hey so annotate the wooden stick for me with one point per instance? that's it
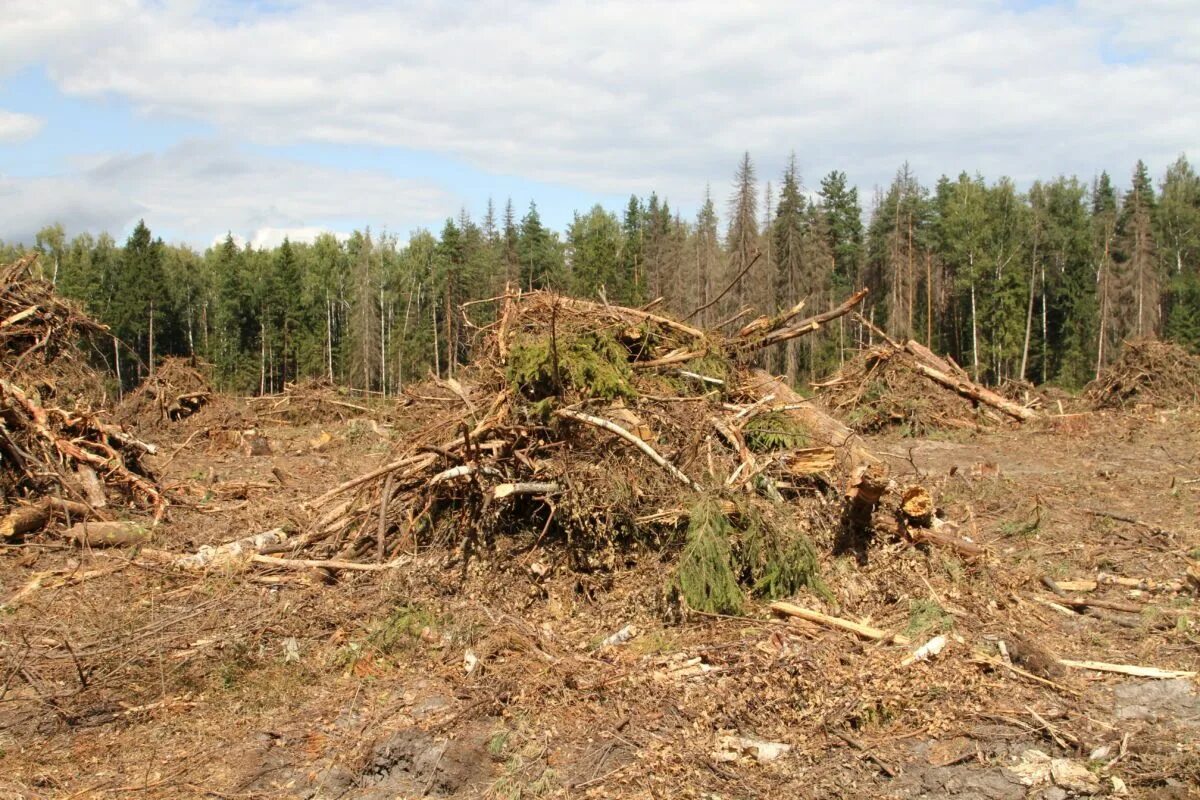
(866, 631)
(983, 658)
(618, 431)
(309, 563)
(530, 487)
(1131, 520)
(1127, 669)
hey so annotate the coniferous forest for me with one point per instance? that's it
(1041, 285)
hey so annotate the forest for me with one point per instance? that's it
(1041, 285)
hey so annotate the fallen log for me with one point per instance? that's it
(975, 392)
(31, 518)
(850, 446)
(107, 534)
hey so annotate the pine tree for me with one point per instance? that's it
(1177, 230)
(707, 259)
(541, 265)
(632, 256)
(844, 216)
(1140, 286)
(139, 304)
(593, 250)
(788, 238)
(742, 239)
(1104, 226)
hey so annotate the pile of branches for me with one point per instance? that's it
(177, 390)
(41, 335)
(313, 400)
(1148, 371)
(57, 456)
(598, 426)
(909, 387)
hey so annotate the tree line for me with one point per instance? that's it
(1041, 285)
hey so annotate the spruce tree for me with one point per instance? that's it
(743, 237)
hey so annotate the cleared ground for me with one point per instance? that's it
(488, 680)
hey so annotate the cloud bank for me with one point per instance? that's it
(631, 95)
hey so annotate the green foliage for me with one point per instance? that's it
(774, 430)
(593, 364)
(926, 616)
(705, 574)
(778, 563)
(400, 629)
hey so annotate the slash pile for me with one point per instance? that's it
(176, 391)
(57, 457)
(600, 426)
(1148, 371)
(910, 387)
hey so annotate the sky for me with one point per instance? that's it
(273, 118)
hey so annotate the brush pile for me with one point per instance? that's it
(911, 388)
(313, 400)
(57, 457)
(1148, 371)
(600, 427)
(177, 390)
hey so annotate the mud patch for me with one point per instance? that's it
(411, 762)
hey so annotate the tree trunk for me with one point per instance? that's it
(262, 356)
(974, 332)
(1029, 310)
(150, 347)
(1103, 307)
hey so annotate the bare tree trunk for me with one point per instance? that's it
(117, 359)
(382, 339)
(1029, 310)
(262, 355)
(150, 347)
(974, 333)
(1045, 330)
(329, 334)
(1103, 307)
(403, 339)
(929, 300)
(437, 364)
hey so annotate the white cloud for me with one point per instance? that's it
(16, 127)
(199, 187)
(629, 95)
(270, 237)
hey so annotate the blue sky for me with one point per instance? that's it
(286, 118)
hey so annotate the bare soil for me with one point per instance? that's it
(486, 679)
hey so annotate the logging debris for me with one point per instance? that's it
(1149, 372)
(179, 388)
(910, 387)
(600, 427)
(54, 442)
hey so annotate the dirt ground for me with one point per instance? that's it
(489, 679)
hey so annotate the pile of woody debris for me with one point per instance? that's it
(906, 385)
(1148, 371)
(58, 458)
(598, 427)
